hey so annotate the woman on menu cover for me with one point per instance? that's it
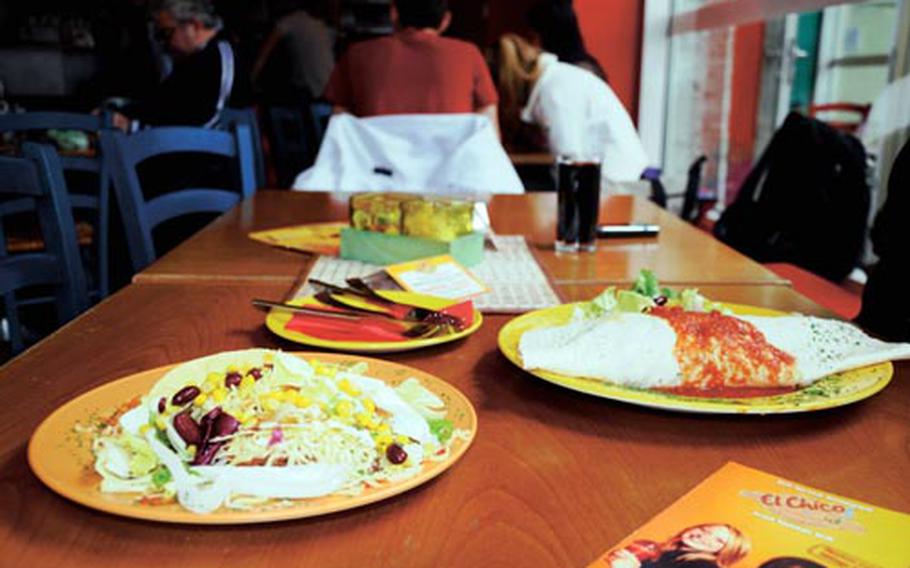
(699, 546)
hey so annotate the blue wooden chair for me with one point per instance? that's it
(296, 133)
(98, 200)
(141, 215)
(230, 118)
(34, 182)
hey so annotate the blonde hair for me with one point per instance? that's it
(737, 547)
(518, 71)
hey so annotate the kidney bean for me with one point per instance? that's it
(185, 395)
(205, 455)
(256, 373)
(224, 425)
(232, 379)
(162, 404)
(660, 300)
(187, 428)
(396, 454)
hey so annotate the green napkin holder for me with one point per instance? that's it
(384, 249)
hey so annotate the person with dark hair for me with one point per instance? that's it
(556, 25)
(415, 70)
(202, 79)
(307, 44)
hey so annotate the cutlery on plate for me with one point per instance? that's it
(410, 328)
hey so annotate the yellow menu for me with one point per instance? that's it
(744, 518)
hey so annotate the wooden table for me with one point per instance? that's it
(553, 479)
(222, 252)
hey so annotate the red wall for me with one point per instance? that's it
(611, 29)
(746, 82)
(612, 32)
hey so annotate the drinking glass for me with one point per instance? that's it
(578, 204)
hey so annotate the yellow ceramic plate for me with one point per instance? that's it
(61, 457)
(832, 391)
(276, 321)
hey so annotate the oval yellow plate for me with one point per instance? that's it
(59, 452)
(276, 320)
(832, 391)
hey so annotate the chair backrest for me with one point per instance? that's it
(141, 215)
(230, 118)
(35, 182)
(98, 200)
(295, 134)
(321, 113)
(860, 112)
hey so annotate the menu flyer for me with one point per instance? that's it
(440, 276)
(744, 518)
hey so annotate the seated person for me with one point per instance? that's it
(578, 112)
(883, 313)
(304, 43)
(202, 78)
(415, 70)
(556, 25)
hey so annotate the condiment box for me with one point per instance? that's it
(387, 228)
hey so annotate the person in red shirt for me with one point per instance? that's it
(415, 70)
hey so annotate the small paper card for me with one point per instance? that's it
(439, 276)
(745, 518)
(319, 238)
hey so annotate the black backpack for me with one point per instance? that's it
(805, 202)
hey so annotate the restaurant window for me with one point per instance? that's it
(720, 76)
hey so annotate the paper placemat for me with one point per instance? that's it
(517, 282)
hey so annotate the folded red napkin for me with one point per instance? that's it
(372, 329)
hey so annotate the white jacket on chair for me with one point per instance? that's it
(447, 154)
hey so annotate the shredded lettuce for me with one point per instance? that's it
(442, 429)
(645, 294)
(646, 284)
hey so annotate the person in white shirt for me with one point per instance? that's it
(577, 111)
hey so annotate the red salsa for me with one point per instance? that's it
(719, 353)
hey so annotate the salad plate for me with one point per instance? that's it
(277, 321)
(88, 450)
(831, 391)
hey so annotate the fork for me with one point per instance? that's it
(415, 330)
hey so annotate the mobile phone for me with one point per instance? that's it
(632, 230)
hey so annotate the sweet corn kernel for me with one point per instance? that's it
(144, 428)
(268, 358)
(344, 409)
(243, 417)
(191, 449)
(161, 423)
(402, 439)
(233, 369)
(384, 428)
(219, 394)
(383, 441)
(369, 406)
(270, 404)
(200, 399)
(346, 387)
(214, 379)
(365, 420)
(302, 401)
